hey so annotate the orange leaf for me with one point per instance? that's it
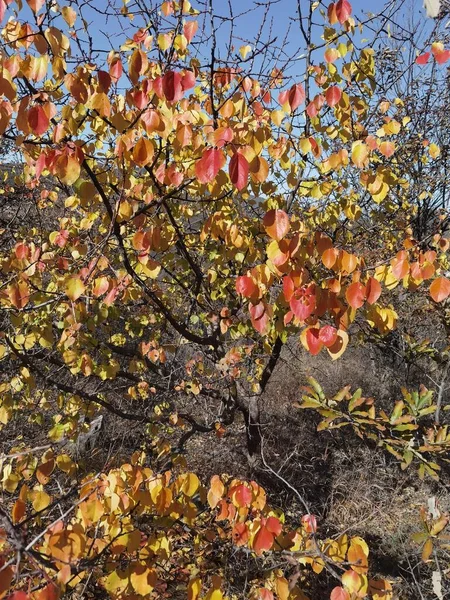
(440, 289)
(373, 290)
(35, 5)
(19, 294)
(240, 534)
(356, 294)
(190, 29)
(276, 223)
(241, 495)
(143, 152)
(339, 593)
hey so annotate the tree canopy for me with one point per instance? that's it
(177, 210)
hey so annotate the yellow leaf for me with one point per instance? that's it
(434, 150)
(41, 500)
(143, 580)
(427, 549)
(67, 169)
(74, 288)
(360, 154)
(355, 583)
(244, 50)
(189, 484)
(339, 347)
(69, 15)
(65, 463)
(194, 587)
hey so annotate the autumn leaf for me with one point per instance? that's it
(69, 15)
(423, 58)
(355, 294)
(296, 96)
(263, 540)
(19, 294)
(338, 593)
(343, 10)
(276, 223)
(373, 290)
(440, 289)
(207, 168)
(143, 152)
(38, 120)
(74, 288)
(190, 29)
(333, 95)
(172, 86)
(239, 169)
(35, 5)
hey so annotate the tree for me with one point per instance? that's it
(194, 211)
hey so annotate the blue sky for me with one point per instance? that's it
(280, 17)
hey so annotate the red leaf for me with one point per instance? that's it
(38, 119)
(265, 594)
(339, 594)
(240, 534)
(296, 96)
(242, 495)
(309, 523)
(440, 54)
(276, 223)
(2, 9)
(440, 289)
(190, 29)
(274, 526)
(288, 288)
(263, 540)
(442, 57)
(172, 86)
(50, 592)
(343, 10)
(187, 80)
(22, 251)
(373, 290)
(356, 294)
(423, 58)
(18, 595)
(245, 286)
(303, 303)
(209, 165)
(115, 69)
(333, 95)
(313, 341)
(260, 317)
(239, 168)
(328, 335)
